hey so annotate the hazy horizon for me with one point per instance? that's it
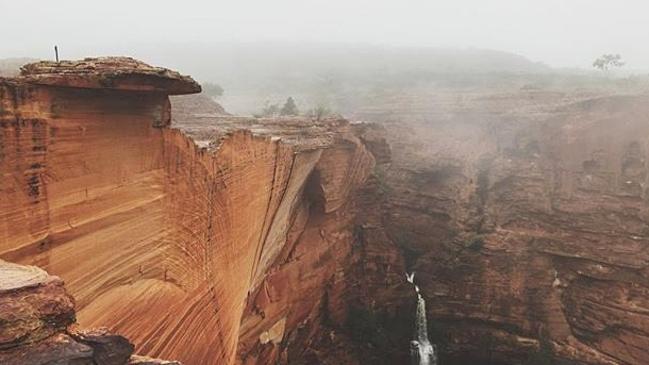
(556, 33)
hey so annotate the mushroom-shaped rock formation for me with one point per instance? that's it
(119, 73)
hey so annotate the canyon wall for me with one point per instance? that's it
(209, 255)
(217, 239)
(525, 216)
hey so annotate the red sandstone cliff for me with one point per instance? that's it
(235, 240)
(525, 216)
(195, 254)
(37, 317)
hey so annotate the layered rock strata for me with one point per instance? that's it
(37, 317)
(525, 216)
(210, 254)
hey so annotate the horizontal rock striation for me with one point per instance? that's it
(525, 216)
(33, 305)
(211, 255)
(37, 317)
(115, 73)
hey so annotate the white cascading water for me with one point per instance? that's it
(422, 351)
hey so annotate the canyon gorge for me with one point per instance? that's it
(131, 205)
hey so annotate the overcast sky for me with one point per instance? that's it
(557, 32)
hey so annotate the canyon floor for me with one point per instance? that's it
(208, 238)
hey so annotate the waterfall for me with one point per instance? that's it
(422, 351)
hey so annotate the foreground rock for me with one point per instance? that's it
(33, 305)
(36, 315)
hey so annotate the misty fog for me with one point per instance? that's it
(558, 33)
(261, 52)
(271, 201)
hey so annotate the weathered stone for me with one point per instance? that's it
(118, 73)
(108, 348)
(35, 317)
(33, 305)
(59, 349)
(524, 215)
(161, 240)
(144, 360)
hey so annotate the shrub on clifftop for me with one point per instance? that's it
(289, 107)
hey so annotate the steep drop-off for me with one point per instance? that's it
(37, 317)
(525, 215)
(194, 254)
(216, 239)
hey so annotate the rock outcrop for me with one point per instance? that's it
(215, 253)
(108, 73)
(525, 216)
(37, 317)
(217, 239)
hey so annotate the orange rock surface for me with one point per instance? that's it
(37, 317)
(184, 250)
(525, 215)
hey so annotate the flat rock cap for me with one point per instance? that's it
(119, 73)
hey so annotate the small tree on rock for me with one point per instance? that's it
(608, 61)
(319, 112)
(269, 110)
(289, 107)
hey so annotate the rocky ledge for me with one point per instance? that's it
(238, 252)
(37, 320)
(121, 73)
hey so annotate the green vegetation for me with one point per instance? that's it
(289, 108)
(272, 109)
(319, 112)
(269, 110)
(608, 61)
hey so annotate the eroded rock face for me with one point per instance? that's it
(525, 216)
(236, 240)
(33, 305)
(207, 255)
(115, 73)
(36, 317)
